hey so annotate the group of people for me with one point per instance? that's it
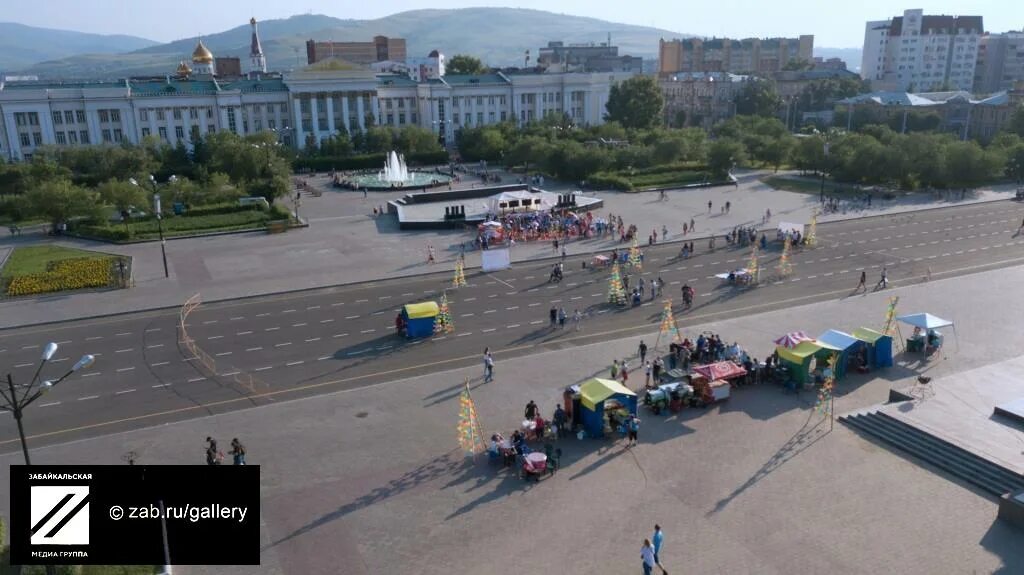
(215, 457)
(535, 428)
(557, 317)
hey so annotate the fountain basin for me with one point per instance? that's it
(373, 181)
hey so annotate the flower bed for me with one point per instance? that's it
(70, 274)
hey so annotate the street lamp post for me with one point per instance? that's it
(16, 404)
(160, 228)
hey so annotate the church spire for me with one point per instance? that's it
(257, 61)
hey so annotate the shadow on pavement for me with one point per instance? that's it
(1004, 541)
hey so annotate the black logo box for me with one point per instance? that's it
(140, 541)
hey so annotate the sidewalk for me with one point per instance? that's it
(343, 237)
(370, 481)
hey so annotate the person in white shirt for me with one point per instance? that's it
(647, 556)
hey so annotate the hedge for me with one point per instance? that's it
(72, 274)
(366, 161)
(181, 225)
(610, 181)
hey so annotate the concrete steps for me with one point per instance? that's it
(986, 475)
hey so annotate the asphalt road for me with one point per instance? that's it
(279, 347)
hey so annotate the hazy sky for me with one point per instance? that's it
(840, 25)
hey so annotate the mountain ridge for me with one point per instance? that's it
(22, 45)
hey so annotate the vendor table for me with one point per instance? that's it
(536, 458)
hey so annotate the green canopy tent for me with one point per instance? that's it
(805, 358)
(879, 346)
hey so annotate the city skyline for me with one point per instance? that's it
(842, 29)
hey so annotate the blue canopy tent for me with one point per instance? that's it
(419, 318)
(849, 349)
(879, 346)
(593, 396)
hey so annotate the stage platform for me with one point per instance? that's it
(959, 412)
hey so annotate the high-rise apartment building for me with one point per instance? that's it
(748, 56)
(380, 49)
(603, 57)
(1000, 62)
(915, 52)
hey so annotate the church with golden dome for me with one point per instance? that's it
(202, 60)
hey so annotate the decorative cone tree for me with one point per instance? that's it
(460, 273)
(785, 266)
(470, 432)
(812, 230)
(616, 293)
(443, 323)
(668, 325)
(635, 257)
(753, 266)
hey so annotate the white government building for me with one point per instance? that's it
(298, 106)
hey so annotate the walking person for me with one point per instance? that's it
(664, 233)
(559, 419)
(883, 281)
(863, 282)
(709, 206)
(632, 430)
(647, 557)
(553, 315)
(237, 452)
(624, 372)
(577, 317)
(728, 206)
(213, 455)
(430, 254)
(614, 372)
(641, 350)
(561, 317)
(657, 539)
(647, 374)
(692, 226)
(488, 366)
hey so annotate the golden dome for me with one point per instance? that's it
(202, 55)
(183, 69)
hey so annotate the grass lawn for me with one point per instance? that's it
(39, 269)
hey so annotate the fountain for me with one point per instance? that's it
(397, 175)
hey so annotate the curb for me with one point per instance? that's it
(409, 275)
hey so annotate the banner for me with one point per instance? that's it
(496, 259)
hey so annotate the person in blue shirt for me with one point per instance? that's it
(656, 540)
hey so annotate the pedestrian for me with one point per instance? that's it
(554, 245)
(615, 369)
(553, 315)
(563, 253)
(430, 254)
(863, 282)
(364, 193)
(561, 317)
(692, 228)
(642, 351)
(656, 368)
(237, 452)
(768, 215)
(531, 411)
(686, 228)
(882, 281)
(488, 367)
(640, 286)
(632, 429)
(559, 418)
(624, 372)
(664, 233)
(647, 557)
(661, 285)
(577, 317)
(728, 206)
(709, 206)
(657, 539)
(647, 374)
(213, 455)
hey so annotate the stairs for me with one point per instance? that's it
(986, 475)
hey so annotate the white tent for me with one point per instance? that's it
(928, 321)
(790, 227)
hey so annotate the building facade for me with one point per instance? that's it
(300, 108)
(915, 52)
(700, 99)
(559, 57)
(748, 56)
(1000, 62)
(380, 49)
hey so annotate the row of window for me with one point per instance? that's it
(68, 117)
(467, 101)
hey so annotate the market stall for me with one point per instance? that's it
(805, 361)
(417, 319)
(711, 381)
(604, 404)
(925, 337)
(852, 352)
(668, 396)
(879, 347)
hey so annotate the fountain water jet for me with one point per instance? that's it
(395, 170)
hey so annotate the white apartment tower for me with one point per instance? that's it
(257, 61)
(921, 53)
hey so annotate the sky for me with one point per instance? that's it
(840, 25)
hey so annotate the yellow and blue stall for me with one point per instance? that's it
(419, 319)
(600, 398)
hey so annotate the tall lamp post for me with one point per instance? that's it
(16, 402)
(157, 209)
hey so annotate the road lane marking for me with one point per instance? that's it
(123, 350)
(154, 346)
(326, 320)
(282, 344)
(271, 329)
(264, 368)
(229, 373)
(368, 330)
(30, 347)
(351, 317)
(536, 322)
(124, 391)
(490, 311)
(207, 322)
(223, 353)
(125, 369)
(51, 404)
(513, 326)
(488, 330)
(469, 299)
(312, 339)
(24, 365)
(159, 364)
(291, 363)
(312, 307)
(289, 311)
(93, 374)
(243, 333)
(152, 329)
(464, 334)
(94, 338)
(336, 304)
(357, 352)
(301, 324)
(195, 379)
(88, 397)
(160, 385)
(534, 304)
(511, 308)
(236, 318)
(262, 314)
(254, 349)
(323, 357)
(339, 335)
(216, 337)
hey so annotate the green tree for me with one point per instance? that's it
(723, 155)
(635, 103)
(464, 64)
(337, 145)
(968, 164)
(778, 152)
(809, 154)
(1015, 163)
(124, 195)
(758, 98)
(1017, 121)
(60, 200)
(378, 139)
(415, 140)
